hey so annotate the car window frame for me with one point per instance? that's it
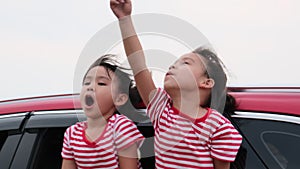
(240, 118)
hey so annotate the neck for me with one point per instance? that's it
(95, 128)
(188, 102)
(94, 123)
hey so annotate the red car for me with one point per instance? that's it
(31, 129)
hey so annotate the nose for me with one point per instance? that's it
(91, 87)
(172, 67)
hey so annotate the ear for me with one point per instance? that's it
(121, 99)
(207, 83)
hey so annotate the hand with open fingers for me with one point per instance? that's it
(121, 8)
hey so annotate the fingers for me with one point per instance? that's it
(117, 2)
(114, 2)
(124, 1)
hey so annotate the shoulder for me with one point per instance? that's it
(160, 93)
(215, 121)
(79, 126)
(121, 124)
(218, 117)
(118, 119)
(159, 97)
(223, 127)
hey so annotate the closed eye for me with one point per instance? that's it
(186, 62)
(102, 84)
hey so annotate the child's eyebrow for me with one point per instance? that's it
(98, 77)
(187, 58)
(103, 77)
(87, 78)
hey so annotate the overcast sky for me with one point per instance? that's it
(42, 41)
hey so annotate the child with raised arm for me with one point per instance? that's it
(189, 131)
(106, 139)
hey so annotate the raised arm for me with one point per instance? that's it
(133, 48)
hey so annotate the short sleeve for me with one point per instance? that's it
(126, 133)
(67, 152)
(225, 142)
(157, 105)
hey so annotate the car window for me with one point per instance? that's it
(274, 142)
(8, 145)
(281, 146)
(9, 148)
(247, 158)
(48, 148)
(42, 141)
(10, 136)
(22, 155)
(3, 137)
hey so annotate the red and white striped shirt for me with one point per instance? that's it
(184, 142)
(119, 133)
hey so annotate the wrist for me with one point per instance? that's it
(137, 62)
(124, 19)
(126, 26)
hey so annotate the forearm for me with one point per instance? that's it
(132, 45)
(136, 58)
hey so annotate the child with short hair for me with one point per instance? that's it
(189, 131)
(106, 139)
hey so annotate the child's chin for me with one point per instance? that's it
(88, 107)
(170, 84)
(167, 83)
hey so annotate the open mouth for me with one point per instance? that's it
(169, 73)
(89, 100)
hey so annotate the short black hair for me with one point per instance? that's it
(126, 84)
(215, 69)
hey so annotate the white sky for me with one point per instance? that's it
(41, 41)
